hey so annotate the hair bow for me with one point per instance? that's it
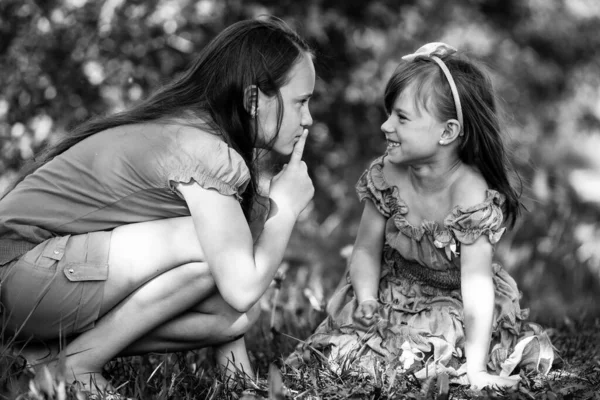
(431, 49)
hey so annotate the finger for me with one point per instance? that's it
(299, 148)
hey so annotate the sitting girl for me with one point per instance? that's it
(423, 292)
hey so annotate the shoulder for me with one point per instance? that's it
(470, 189)
(170, 143)
(184, 136)
(477, 210)
(192, 153)
(202, 146)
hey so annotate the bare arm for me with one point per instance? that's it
(242, 270)
(478, 294)
(365, 264)
(478, 299)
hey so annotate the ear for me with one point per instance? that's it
(251, 99)
(452, 130)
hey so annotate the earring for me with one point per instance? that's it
(254, 111)
(442, 142)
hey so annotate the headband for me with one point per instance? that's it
(434, 51)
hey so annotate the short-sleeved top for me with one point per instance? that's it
(119, 176)
(431, 244)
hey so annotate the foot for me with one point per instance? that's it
(37, 353)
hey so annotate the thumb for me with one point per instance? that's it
(299, 148)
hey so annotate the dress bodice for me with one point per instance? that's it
(429, 243)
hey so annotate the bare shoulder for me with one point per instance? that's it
(469, 189)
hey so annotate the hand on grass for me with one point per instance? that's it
(366, 314)
(481, 379)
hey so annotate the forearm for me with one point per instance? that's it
(270, 247)
(364, 275)
(243, 270)
(478, 301)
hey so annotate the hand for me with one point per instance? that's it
(292, 188)
(366, 314)
(481, 379)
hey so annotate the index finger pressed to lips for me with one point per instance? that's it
(299, 147)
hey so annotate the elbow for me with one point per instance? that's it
(242, 307)
(241, 301)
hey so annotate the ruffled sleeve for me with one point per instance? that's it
(206, 159)
(372, 186)
(486, 218)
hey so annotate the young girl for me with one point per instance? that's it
(131, 235)
(424, 293)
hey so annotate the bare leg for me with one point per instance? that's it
(233, 358)
(212, 323)
(151, 305)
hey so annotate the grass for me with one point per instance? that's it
(192, 375)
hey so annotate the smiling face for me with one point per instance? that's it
(412, 133)
(296, 115)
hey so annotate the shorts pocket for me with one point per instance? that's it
(48, 253)
(89, 271)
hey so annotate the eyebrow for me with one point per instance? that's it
(305, 95)
(400, 110)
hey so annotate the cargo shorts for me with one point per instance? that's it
(56, 289)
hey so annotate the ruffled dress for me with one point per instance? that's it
(421, 329)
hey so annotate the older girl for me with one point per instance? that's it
(132, 233)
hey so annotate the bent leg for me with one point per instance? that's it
(156, 272)
(211, 323)
(141, 252)
(157, 301)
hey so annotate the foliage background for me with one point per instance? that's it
(63, 61)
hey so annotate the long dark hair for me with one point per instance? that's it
(210, 93)
(482, 145)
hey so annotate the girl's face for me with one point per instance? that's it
(412, 133)
(296, 115)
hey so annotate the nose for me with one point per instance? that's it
(306, 119)
(386, 127)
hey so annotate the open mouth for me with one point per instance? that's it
(391, 143)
